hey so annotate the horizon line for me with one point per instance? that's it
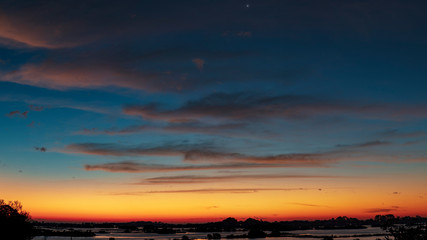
(204, 220)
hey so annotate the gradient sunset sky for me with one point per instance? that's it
(187, 111)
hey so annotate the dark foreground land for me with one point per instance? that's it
(15, 223)
(232, 225)
(399, 228)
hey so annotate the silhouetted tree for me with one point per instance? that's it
(230, 223)
(408, 233)
(385, 221)
(15, 223)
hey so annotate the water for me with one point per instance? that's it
(119, 235)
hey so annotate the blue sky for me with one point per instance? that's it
(103, 89)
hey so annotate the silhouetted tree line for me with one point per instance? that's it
(408, 232)
(232, 224)
(15, 223)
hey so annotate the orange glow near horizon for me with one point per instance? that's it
(196, 111)
(80, 203)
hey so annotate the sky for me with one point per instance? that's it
(194, 111)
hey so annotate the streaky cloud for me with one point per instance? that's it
(113, 149)
(190, 179)
(124, 67)
(227, 129)
(134, 167)
(251, 105)
(396, 133)
(292, 159)
(365, 144)
(17, 113)
(309, 205)
(43, 103)
(213, 190)
(382, 210)
(50, 24)
(196, 154)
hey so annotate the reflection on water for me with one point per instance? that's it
(345, 234)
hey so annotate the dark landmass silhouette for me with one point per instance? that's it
(254, 228)
(231, 224)
(15, 223)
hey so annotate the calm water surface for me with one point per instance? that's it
(119, 235)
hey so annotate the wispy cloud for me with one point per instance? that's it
(213, 190)
(113, 149)
(196, 154)
(211, 155)
(123, 67)
(190, 179)
(17, 113)
(244, 34)
(250, 105)
(78, 74)
(31, 26)
(200, 63)
(365, 144)
(382, 210)
(241, 105)
(292, 159)
(43, 103)
(134, 167)
(309, 205)
(211, 207)
(33, 124)
(36, 108)
(396, 133)
(41, 149)
(228, 129)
